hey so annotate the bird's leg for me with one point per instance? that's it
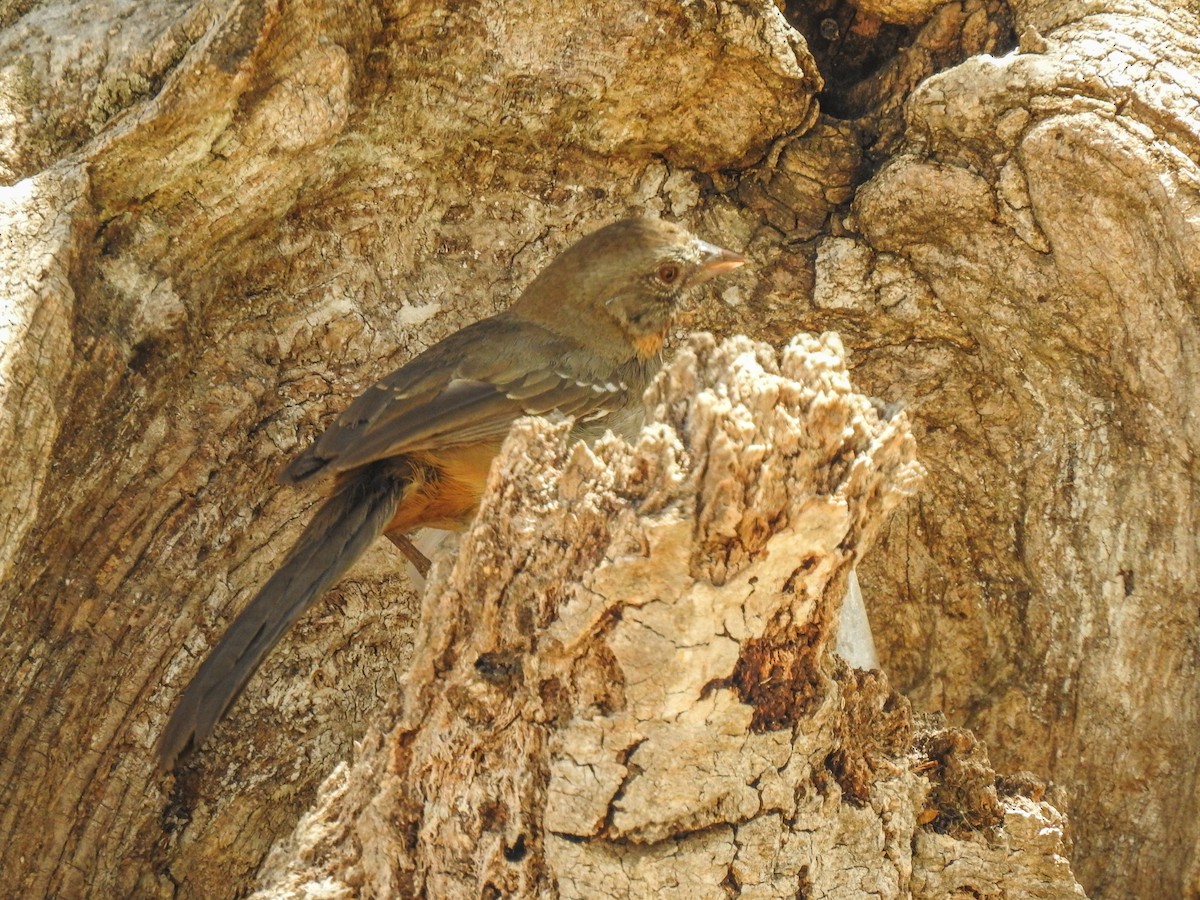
(419, 560)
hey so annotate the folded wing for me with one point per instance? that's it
(449, 396)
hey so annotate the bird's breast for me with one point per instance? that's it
(625, 414)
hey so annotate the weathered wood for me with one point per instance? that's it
(624, 682)
(222, 219)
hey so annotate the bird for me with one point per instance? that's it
(413, 451)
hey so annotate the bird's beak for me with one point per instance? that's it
(715, 261)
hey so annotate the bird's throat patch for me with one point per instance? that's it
(649, 345)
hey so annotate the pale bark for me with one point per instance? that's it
(624, 683)
(222, 219)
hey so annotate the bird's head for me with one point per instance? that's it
(628, 278)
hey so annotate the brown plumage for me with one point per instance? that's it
(414, 450)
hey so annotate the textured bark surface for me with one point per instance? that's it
(221, 219)
(672, 722)
(1044, 206)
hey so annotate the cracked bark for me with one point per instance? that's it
(624, 683)
(221, 219)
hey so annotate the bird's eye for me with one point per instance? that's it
(668, 273)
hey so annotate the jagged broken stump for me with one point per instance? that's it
(624, 683)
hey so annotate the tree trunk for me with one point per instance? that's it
(223, 219)
(624, 684)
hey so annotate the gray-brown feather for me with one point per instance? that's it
(445, 397)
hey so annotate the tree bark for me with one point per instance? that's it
(223, 219)
(625, 687)
(1042, 209)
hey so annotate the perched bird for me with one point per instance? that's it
(414, 450)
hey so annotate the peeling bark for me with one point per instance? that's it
(624, 682)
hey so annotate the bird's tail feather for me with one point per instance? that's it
(338, 534)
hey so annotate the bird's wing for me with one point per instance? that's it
(458, 392)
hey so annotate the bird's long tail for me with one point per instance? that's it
(338, 534)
